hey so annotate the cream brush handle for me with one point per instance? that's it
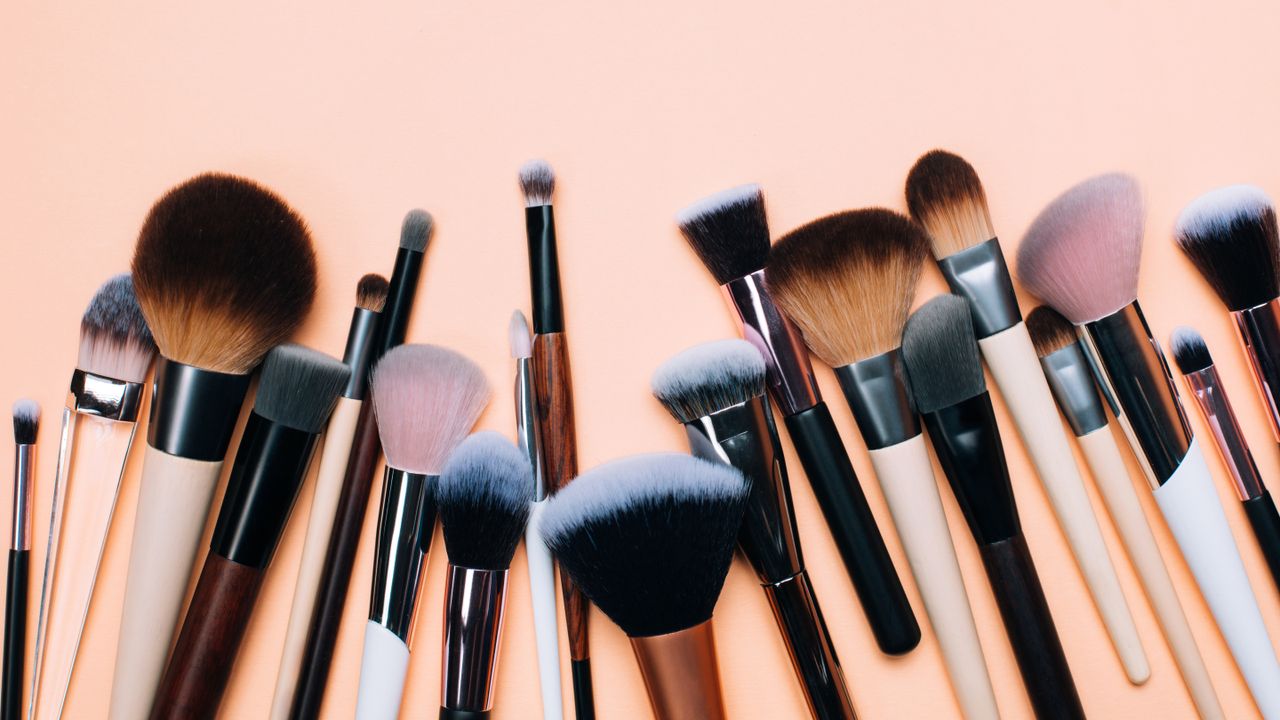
(542, 595)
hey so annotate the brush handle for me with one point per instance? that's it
(384, 664)
(1265, 522)
(854, 529)
(15, 632)
(452, 714)
(813, 655)
(542, 596)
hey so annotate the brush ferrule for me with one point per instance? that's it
(1207, 389)
(967, 441)
(398, 559)
(527, 424)
(105, 397)
(359, 352)
(1259, 331)
(980, 275)
(790, 374)
(23, 468)
(877, 393)
(681, 674)
(473, 608)
(744, 437)
(544, 269)
(394, 319)
(194, 411)
(1070, 377)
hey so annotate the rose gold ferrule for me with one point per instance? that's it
(473, 606)
(1259, 332)
(790, 377)
(1206, 386)
(680, 674)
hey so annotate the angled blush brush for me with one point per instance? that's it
(26, 428)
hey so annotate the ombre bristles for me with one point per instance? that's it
(371, 292)
(537, 183)
(729, 231)
(708, 378)
(945, 195)
(1190, 351)
(483, 498)
(1050, 332)
(1230, 235)
(299, 387)
(518, 337)
(26, 421)
(416, 230)
(114, 339)
(941, 354)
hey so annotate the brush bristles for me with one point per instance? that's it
(1050, 332)
(371, 292)
(115, 341)
(941, 354)
(848, 281)
(224, 271)
(426, 398)
(1230, 235)
(537, 183)
(729, 231)
(26, 421)
(518, 338)
(945, 195)
(299, 387)
(483, 497)
(649, 538)
(1081, 254)
(708, 378)
(416, 230)
(1190, 351)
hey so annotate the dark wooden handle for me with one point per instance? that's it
(15, 633)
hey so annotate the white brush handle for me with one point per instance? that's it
(383, 668)
(1190, 505)
(173, 505)
(907, 479)
(1112, 478)
(1013, 362)
(542, 595)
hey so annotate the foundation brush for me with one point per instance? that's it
(946, 197)
(26, 428)
(1082, 255)
(649, 539)
(949, 390)
(98, 427)
(848, 280)
(716, 390)
(224, 270)
(729, 232)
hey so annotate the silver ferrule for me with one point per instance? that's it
(1071, 379)
(105, 397)
(876, 389)
(1206, 386)
(398, 560)
(24, 463)
(1259, 331)
(790, 374)
(527, 425)
(980, 275)
(473, 607)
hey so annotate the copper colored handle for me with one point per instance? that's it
(681, 674)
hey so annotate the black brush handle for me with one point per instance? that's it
(451, 714)
(584, 701)
(15, 632)
(854, 529)
(1266, 529)
(1026, 617)
(813, 655)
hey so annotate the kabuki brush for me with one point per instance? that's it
(949, 390)
(224, 270)
(649, 539)
(484, 497)
(730, 234)
(1081, 255)
(26, 427)
(716, 390)
(947, 198)
(1068, 369)
(295, 396)
(426, 398)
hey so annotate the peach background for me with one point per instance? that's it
(358, 114)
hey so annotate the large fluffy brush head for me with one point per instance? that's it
(426, 398)
(941, 354)
(224, 271)
(848, 280)
(649, 538)
(26, 421)
(371, 292)
(1050, 332)
(1190, 351)
(1081, 254)
(299, 387)
(708, 378)
(1230, 235)
(115, 341)
(945, 195)
(483, 497)
(518, 337)
(729, 231)
(537, 183)
(416, 230)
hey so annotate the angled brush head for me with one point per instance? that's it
(26, 421)
(115, 341)
(518, 337)
(299, 387)
(941, 354)
(848, 280)
(537, 183)
(1190, 351)
(426, 398)
(416, 230)
(649, 538)
(729, 231)
(483, 496)
(945, 195)
(1230, 235)
(708, 378)
(1050, 332)
(1081, 254)
(371, 292)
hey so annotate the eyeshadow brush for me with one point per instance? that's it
(26, 428)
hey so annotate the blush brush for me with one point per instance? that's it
(26, 429)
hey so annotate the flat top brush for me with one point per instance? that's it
(26, 428)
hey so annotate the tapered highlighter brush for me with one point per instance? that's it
(426, 399)
(949, 390)
(729, 232)
(1081, 255)
(717, 391)
(1068, 369)
(649, 539)
(945, 195)
(26, 428)
(98, 427)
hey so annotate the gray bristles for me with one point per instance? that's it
(416, 230)
(708, 378)
(115, 341)
(26, 421)
(484, 497)
(941, 354)
(537, 182)
(518, 336)
(299, 387)
(1190, 351)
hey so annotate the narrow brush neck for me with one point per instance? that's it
(474, 603)
(398, 557)
(1259, 332)
(877, 394)
(1206, 388)
(790, 374)
(980, 275)
(105, 397)
(1071, 379)
(23, 467)
(544, 270)
(194, 411)
(358, 355)
(527, 424)
(967, 441)
(401, 289)
(681, 673)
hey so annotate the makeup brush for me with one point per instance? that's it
(949, 390)
(1192, 357)
(224, 270)
(649, 539)
(357, 481)
(716, 390)
(295, 397)
(1082, 255)
(371, 295)
(484, 497)
(26, 426)
(1067, 367)
(426, 398)
(947, 198)
(848, 280)
(730, 234)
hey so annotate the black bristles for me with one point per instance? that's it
(729, 231)
(1190, 351)
(483, 497)
(26, 421)
(941, 354)
(1230, 235)
(299, 387)
(416, 230)
(537, 183)
(708, 378)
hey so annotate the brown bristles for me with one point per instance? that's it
(848, 281)
(224, 270)
(945, 195)
(1050, 332)
(371, 292)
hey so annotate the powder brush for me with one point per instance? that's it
(26, 429)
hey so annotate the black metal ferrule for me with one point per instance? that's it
(194, 411)
(980, 275)
(876, 389)
(544, 270)
(401, 291)
(967, 442)
(359, 352)
(455, 714)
